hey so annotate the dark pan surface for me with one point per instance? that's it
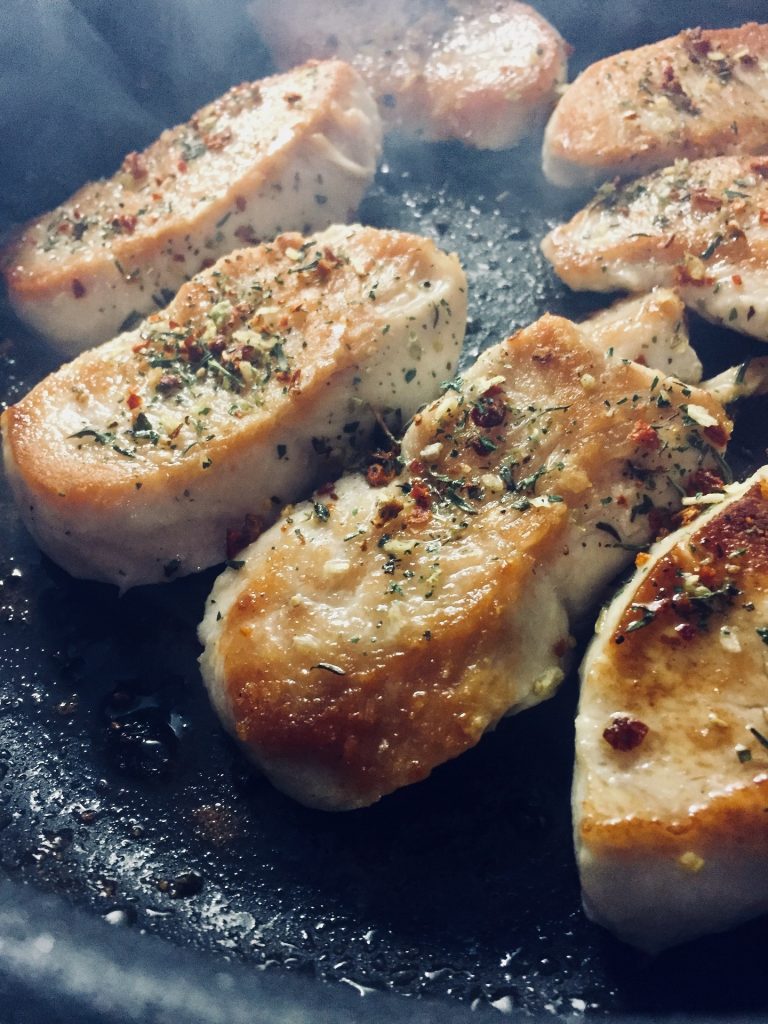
(121, 794)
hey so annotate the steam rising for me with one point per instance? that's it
(82, 82)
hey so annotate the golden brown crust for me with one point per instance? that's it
(697, 94)
(737, 821)
(684, 656)
(384, 721)
(117, 383)
(375, 635)
(156, 197)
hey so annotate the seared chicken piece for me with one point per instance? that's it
(376, 632)
(702, 227)
(743, 381)
(481, 71)
(292, 152)
(701, 93)
(164, 451)
(671, 782)
(650, 329)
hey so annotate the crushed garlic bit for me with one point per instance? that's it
(493, 483)
(548, 682)
(431, 451)
(691, 861)
(337, 567)
(701, 416)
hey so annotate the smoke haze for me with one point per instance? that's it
(82, 82)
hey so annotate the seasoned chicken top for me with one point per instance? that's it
(131, 463)
(482, 71)
(700, 226)
(704, 92)
(376, 632)
(649, 329)
(291, 152)
(672, 756)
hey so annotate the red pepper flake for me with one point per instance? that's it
(659, 522)
(133, 400)
(247, 235)
(240, 537)
(125, 223)
(705, 202)
(218, 140)
(625, 733)
(191, 350)
(696, 44)
(716, 435)
(685, 630)
(691, 273)
(759, 166)
(328, 262)
(379, 475)
(672, 87)
(135, 165)
(78, 288)
(328, 490)
(561, 647)
(703, 481)
(182, 166)
(292, 379)
(737, 280)
(763, 216)
(169, 382)
(421, 495)
(419, 516)
(709, 577)
(490, 409)
(217, 345)
(387, 511)
(644, 436)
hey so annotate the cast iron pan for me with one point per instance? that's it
(148, 873)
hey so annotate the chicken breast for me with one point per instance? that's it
(481, 71)
(649, 329)
(373, 633)
(702, 227)
(701, 93)
(671, 776)
(743, 381)
(292, 152)
(164, 451)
